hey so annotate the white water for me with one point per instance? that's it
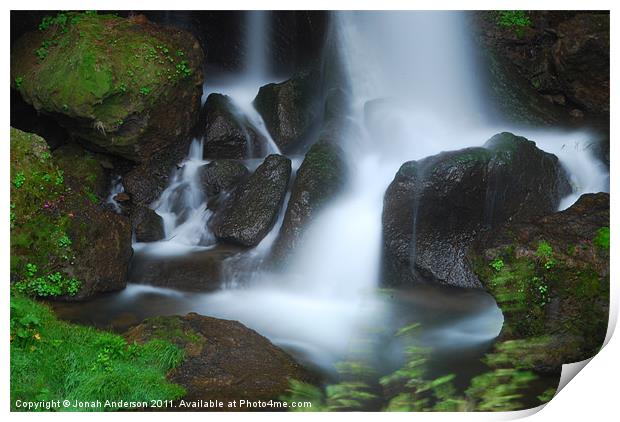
(418, 65)
(115, 188)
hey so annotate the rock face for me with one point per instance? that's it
(224, 360)
(291, 110)
(222, 175)
(58, 223)
(436, 206)
(319, 178)
(550, 277)
(253, 208)
(148, 225)
(196, 272)
(112, 82)
(559, 58)
(228, 133)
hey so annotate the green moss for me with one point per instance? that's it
(97, 67)
(172, 330)
(601, 240)
(51, 359)
(38, 192)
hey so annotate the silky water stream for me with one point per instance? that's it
(327, 306)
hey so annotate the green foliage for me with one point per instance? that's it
(601, 240)
(145, 90)
(50, 285)
(544, 251)
(19, 80)
(64, 241)
(497, 264)
(55, 359)
(513, 18)
(183, 69)
(19, 179)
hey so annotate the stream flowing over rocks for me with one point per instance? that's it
(316, 184)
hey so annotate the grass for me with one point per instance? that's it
(56, 360)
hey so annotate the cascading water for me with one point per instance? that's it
(413, 94)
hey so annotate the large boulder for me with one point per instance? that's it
(253, 208)
(320, 177)
(221, 176)
(291, 110)
(112, 81)
(197, 271)
(546, 66)
(224, 360)
(227, 131)
(64, 243)
(435, 207)
(550, 277)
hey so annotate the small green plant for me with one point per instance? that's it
(19, 80)
(31, 270)
(64, 241)
(497, 264)
(54, 284)
(544, 251)
(513, 18)
(60, 178)
(183, 69)
(145, 90)
(19, 179)
(601, 240)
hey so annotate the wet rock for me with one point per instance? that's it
(224, 360)
(560, 55)
(57, 222)
(148, 225)
(320, 178)
(222, 175)
(435, 207)
(228, 133)
(253, 208)
(112, 82)
(122, 197)
(291, 110)
(195, 272)
(550, 277)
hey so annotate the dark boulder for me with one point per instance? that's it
(550, 277)
(291, 110)
(253, 207)
(320, 177)
(59, 229)
(221, 175)
(554, 68)
(147, 224)
(435, 207)
(227, 131)
(224, 360)
(198, 271)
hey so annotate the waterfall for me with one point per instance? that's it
(115, 188)
(413, 94)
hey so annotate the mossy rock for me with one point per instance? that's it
(111, 81)
(58, 225)
(224, 360)
(550, 277)
(434, 207)
(321, 176)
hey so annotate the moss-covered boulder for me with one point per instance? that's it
(63, 242)
(111, 81)
(253, 208)
(550, 277)
(291, 110)
(435, 207)
(224, 360)
(320, 177)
